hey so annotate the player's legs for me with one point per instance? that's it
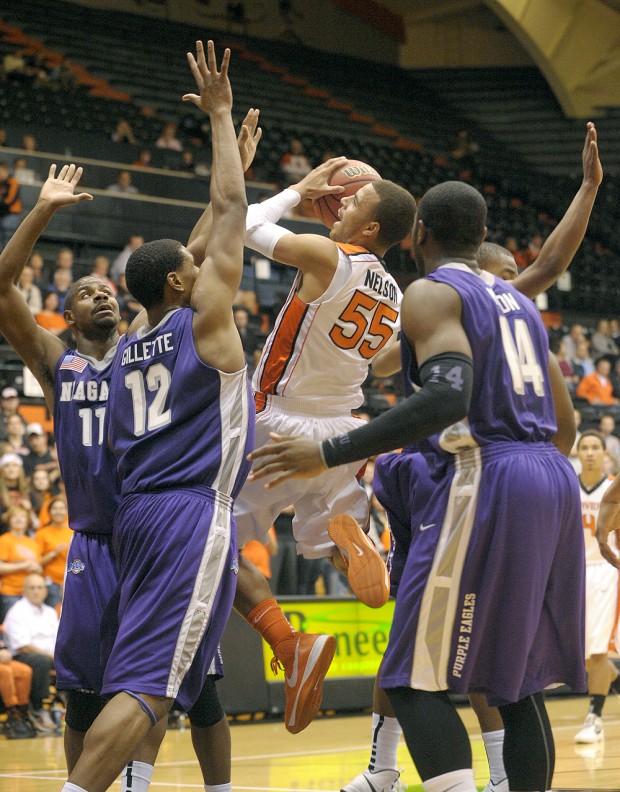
(104, 755)
(429, 719)
(529, 751)
(305, 657)
(600, 677)
(492, 730)
(381, 773)
(211, 738)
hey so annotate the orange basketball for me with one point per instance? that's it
(352, 175)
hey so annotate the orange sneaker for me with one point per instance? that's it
(305, 658)
(367, 574)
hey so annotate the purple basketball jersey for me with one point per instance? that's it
(81, 386)
(511, 398)
(177, 422)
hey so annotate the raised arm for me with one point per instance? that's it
(217, 340)
(38, 349)
(247, 141)
(560, 248)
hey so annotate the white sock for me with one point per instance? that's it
(494, 746)
(136, 777)
(219, 787)
(69, 787)
(386, 733)
(456, 781)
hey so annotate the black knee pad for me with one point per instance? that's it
(207, 711)
(82, 709)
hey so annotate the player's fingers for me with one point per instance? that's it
(83, 197)
(335, 190)
(195, 69)
(258, 134)
(266, 468)
(225, 63)
(278, 479)
(74, 179)
(52, 171)
(63, 172)
(191, 98)
(211, 61)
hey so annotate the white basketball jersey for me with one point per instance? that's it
(590, 505)
(320, 351)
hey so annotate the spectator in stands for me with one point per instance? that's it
(249, 338)
(23, 173)
(602, 343)
(64, 259)
(42, 492)
(15, 439)
(31, 628)
(124, 133)
(597, 387)
(29, 143)
(294, 165)
(168, 138)
(120, 262)
(53, 539)
(62, 76)
(188, 161)
(144, 159)
(9, 405)
(615, 378)
(2, 137)
(41, 456)
(14, 490)
(581, 360)
(41, 274)
(123, 184)
(571, 378)
(15, 67)
(29, 290)
(607, 427)
(49, 316)
(572, 338)
(614, 331)
(61, 283)
(101, 268)
(19, 557)
(15, 687)
(10, 205)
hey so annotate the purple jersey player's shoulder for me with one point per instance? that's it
(175, 421)
(511, 398)
(81, 388)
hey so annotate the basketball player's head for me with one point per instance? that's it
(591, 451)
(497, 260)
(450, 223)
(379, 215)
(160, 273)
(91, 308)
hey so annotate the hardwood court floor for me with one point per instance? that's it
(330, 752)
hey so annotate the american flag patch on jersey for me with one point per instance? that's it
(74, 363)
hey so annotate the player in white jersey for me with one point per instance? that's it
(601, 586)
(342, 309)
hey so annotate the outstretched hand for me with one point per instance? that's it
(59, 190)
(316, 183)
(285, 458)
(214, 87)
(248, 138)
(592, 168)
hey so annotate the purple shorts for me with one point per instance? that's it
(177, 562)
(492, 594)
(90, 580)
(403, 486)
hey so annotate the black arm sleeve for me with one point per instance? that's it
(443, 399)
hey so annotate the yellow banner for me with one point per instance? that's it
(361, 633)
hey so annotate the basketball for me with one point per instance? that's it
(353, 175)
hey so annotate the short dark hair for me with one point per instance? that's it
(592, 433)
(73, 290)
(455, 213)
(148, 268)
(490, 252)
(395, 212)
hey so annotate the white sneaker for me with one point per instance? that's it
(592, 731)
(379, 781)
(499, 786)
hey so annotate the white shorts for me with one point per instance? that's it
(316, 500)
(601, 603)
